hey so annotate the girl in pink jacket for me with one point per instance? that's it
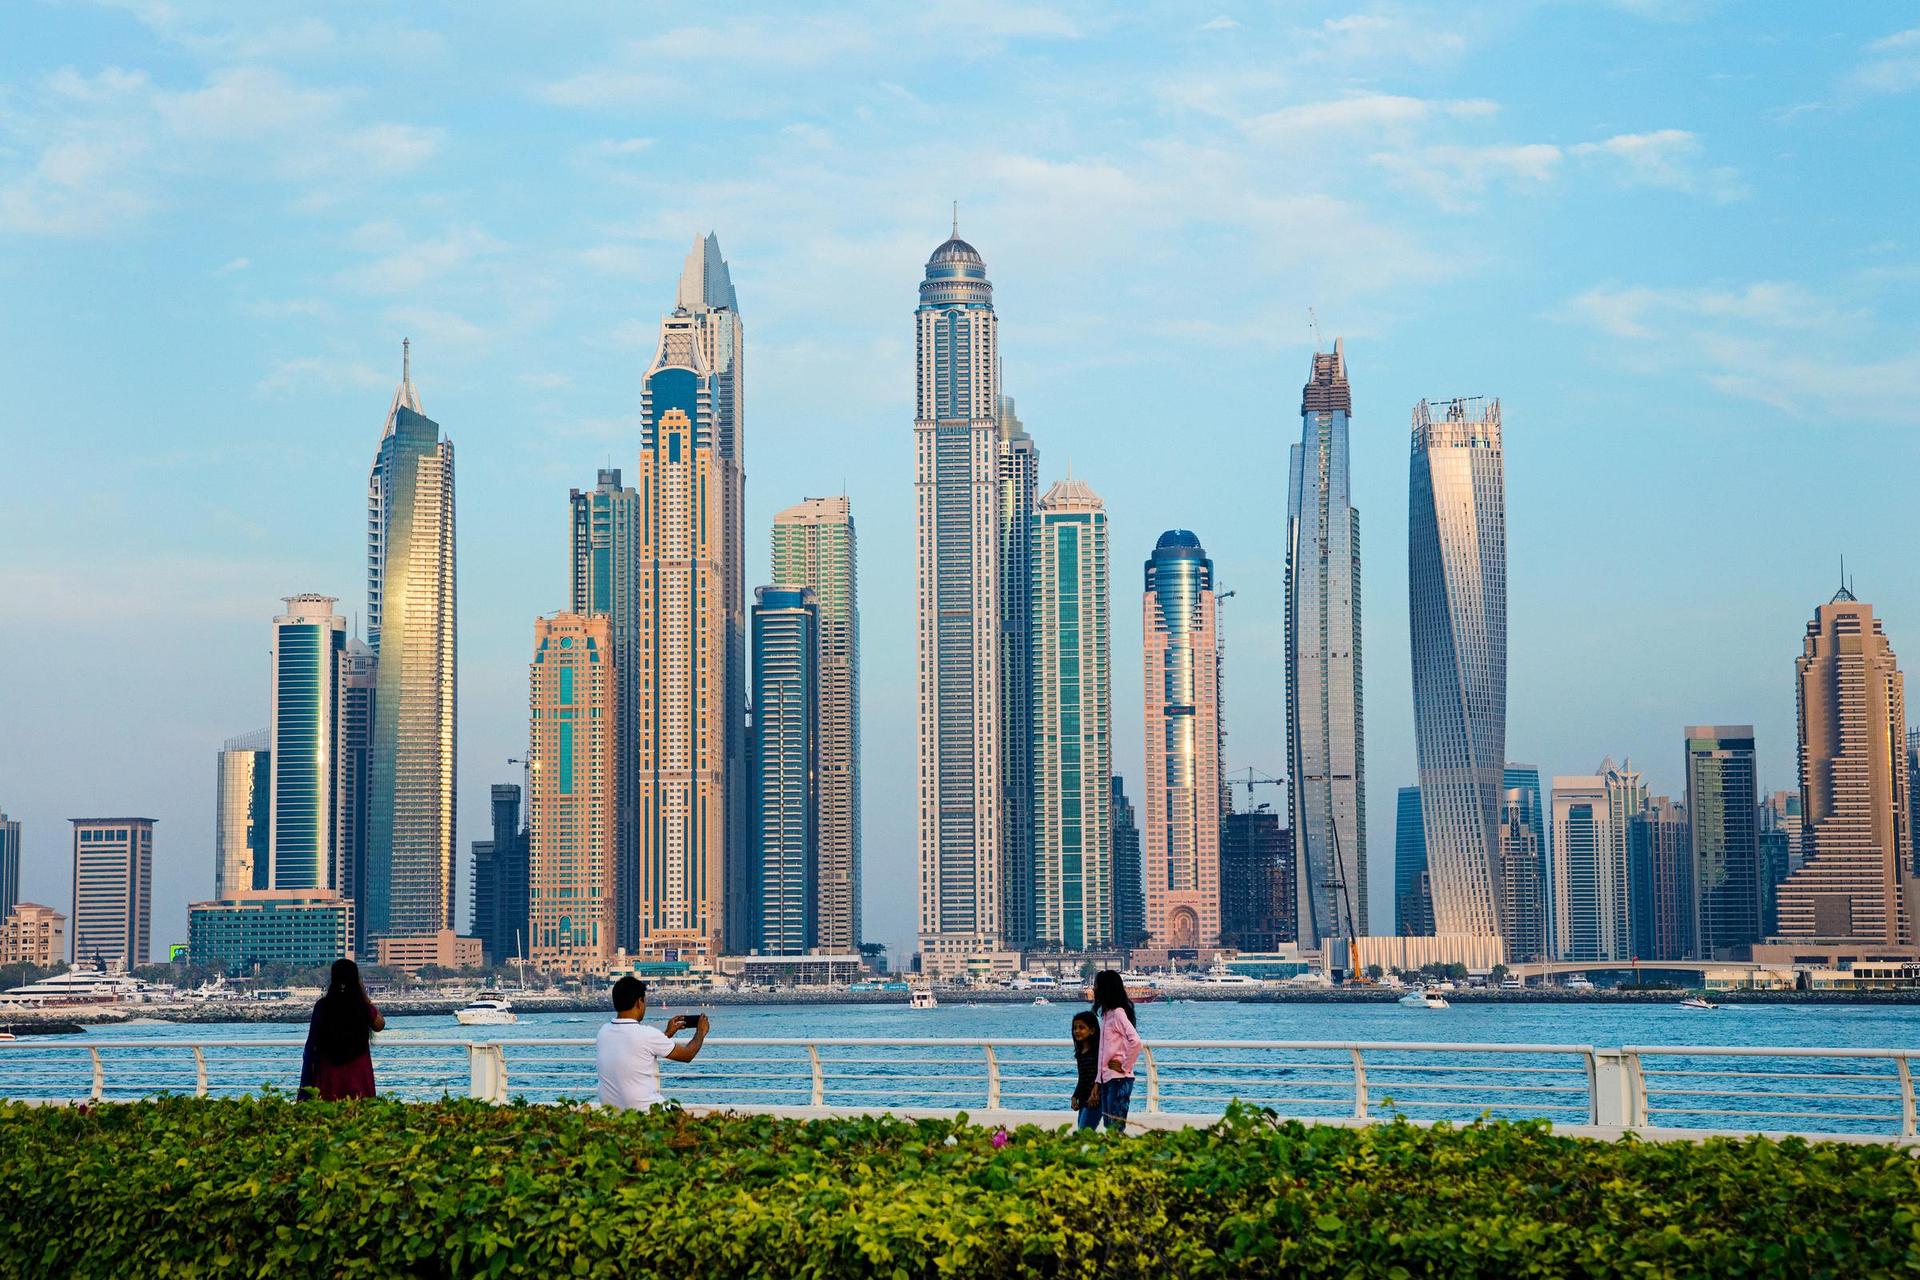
(1119, 1046)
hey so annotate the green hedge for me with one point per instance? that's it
(269, 1188)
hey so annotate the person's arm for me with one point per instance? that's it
(1128, 1040)
(691, 1049)
(376, 1019)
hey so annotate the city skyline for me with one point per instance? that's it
(1743, 332)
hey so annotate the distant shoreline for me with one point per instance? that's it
(674, 1001)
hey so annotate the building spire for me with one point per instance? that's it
(1846, 588)
(956, 219)
(406, 360)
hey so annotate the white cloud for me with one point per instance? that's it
(1365, 112)
(311, 373)
(1369, 38)
(1892, 65)
(232, 265)
(1454, 177)
(408, 264)
(1221, 23)
(1668, 158)
(607, 89)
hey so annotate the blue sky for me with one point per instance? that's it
(1676, 239)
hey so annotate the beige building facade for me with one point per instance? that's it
(570, 811)
(33, 934)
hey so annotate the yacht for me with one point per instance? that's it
(1221, 976)
(489, 1009)
(1697, 1002)
(84, 986)
(922, 997)
(1578, 982)
(1424, 1000)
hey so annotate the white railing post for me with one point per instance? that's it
(487, 1072)
(99, 1075)
(993, 1079)
(1153, 1079)
(819, 1076)
(1359, 1084)
(199, 1072)
(1906, 1096)
(1613, 1087)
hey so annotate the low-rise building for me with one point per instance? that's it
(300, 927)
(796, 971)
(445, 949)
(33, 934)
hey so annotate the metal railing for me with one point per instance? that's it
(1676, 1089)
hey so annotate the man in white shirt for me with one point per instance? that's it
(628, 1051)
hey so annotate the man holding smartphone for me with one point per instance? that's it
(628, 1051)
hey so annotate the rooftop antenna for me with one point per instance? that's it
(406, 360)
(956, 219)
(1313, 323)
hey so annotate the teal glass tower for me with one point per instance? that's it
(1071, 877)
(309, 656)
(605, 524)
(408, 889)
(1412, 897)
(785, 790)
(1723, 807)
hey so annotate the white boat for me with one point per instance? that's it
(1578, 982)
(1424, 1000)
(85, 986)
(1697, 1002)
(489, 1009)
(1041, 1000)
(1221, 976)
(923, 999)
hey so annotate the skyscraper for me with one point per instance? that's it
(9, 865)
(956, 433)
(1019, 472)
(1457, 604)
(814, 545)
(1181, 843)
(1129, 901)
(784, 792)
(1412, 895)
(500, 887)
(1661, 881)
(1723, 809)
(1526, 778)
(243, 805)
(309, 654)
(606, 522)
(411, 610)
(1780, 853)
(1591, 919)
(1326, 738)
(359, 684)
(1523, 915)
(707, 297)
(112, 921)
(1070, 720)
(570, 746)
(690, 795)
(1253, 884)
(1856, 885)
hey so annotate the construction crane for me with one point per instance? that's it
(1354, 975)
(1253, 778)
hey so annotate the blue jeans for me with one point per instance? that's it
(1089, 1118)
(1115, 1095)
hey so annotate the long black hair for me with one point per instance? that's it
(1110, 992)
(343, 1017)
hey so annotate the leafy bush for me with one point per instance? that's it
(266, 1187)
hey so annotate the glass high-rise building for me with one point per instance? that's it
(359, 683)
(570, 811)
(1071, 723)
(1856, 882)
(814, 545)
(605, 544)
(411, 609)
(1326, 717)
(1661, 881)
(1591, 891)
(1723, 809)
(1129, 901)
(1181, 841)
(112, 920)
(1523, 902)
(243, 806)
(9, 865)
(1255, 903)
(690, 684)
(1780, 853)
(1412, 900)
(957, 489)
(1457, 605)
(1526, 778)
(784, 794)
(309, 655)
(1019, 472)
(500, 910)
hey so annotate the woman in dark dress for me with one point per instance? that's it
(338, 1062)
